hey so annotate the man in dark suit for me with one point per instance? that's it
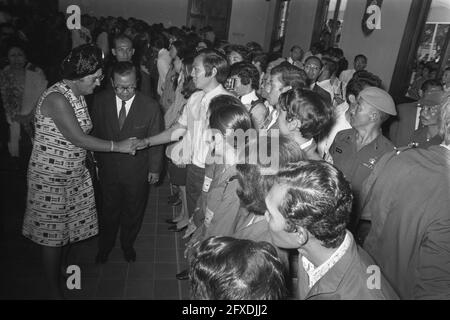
(120, 113)
(313, 68)
(401, 130)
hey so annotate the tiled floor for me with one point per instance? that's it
(152, 276)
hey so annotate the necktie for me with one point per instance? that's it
(122, 115)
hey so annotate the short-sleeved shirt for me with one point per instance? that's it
(357, 165)
(195, 118)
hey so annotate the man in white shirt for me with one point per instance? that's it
(282, 78)
(210, 71)
(359, 63)
(244, 79)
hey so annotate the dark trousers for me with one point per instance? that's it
(194, 183)
(123, 205)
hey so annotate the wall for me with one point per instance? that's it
(300, 24)
(382, 46)
(168, 12)
(251, 20)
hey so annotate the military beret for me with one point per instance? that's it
(379, 99)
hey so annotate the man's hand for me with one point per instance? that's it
(153, 178)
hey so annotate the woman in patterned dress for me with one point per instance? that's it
(60, 204)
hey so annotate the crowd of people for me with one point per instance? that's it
(131, 99)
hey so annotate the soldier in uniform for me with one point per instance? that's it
(356, 151)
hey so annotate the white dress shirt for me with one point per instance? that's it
(316, 273)
(195, 118)
(127, 105)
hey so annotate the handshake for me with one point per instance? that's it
(130, 145)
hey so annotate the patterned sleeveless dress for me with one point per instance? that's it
(60, 202)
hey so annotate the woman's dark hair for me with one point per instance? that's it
(82, 61)
(313, 112)
(247, 72)
(255, 180)
(318, 199)
(262, 59)
(241, 50)
(188, 85)
(225, 268)
(253, 46)
(227, 112)
(182, 49)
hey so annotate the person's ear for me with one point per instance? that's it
(113, 52)
(213, 72)
(352, 98)
(302, 236)
(132, 51)
(374, 116)
(294, 125)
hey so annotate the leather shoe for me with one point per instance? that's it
(102, 257)
(183, 275)
(170, 221)
(129, 255)
(175, 229)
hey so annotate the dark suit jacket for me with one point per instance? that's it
(403, 127)
(323, 93)
(143, 120)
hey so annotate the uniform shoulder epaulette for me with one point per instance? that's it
(410, 146)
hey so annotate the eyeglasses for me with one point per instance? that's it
(311, 67)
(123, 89)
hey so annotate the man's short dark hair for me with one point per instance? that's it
(226, 268)
(361, 56)
(307, 106)
(214, 59)
(123, 68)
(318, 198)
(290, 75)
(431, 83)
(247, 72)
(122, 36)
(295, 47)
(360, 80)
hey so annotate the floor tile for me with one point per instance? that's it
(166, 271)
(110, 289)
(114, 271)
(166, 289)
(141, 270)
(139, 289)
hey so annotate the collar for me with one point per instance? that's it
(249, 97)
(128, 104)
(307, 144)
(289, 59)
(445, 146)
(326, 82)
(214, 92)
(315, 274)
